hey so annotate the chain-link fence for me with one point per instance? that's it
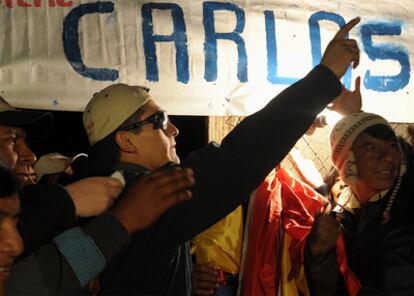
(314, 147)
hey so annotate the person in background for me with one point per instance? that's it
(373, 213)
(11, 245)
(334, 186)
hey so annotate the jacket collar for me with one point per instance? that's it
(130, 168)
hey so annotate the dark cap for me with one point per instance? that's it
(37, 124)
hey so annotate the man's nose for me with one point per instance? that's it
(26, 155)
(172, 130)
(12, 242)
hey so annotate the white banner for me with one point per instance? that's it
(199, 57)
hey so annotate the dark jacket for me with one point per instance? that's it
(225, 176)
(381, 255)
(45, 212)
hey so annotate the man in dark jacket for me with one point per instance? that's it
(47, 211)
(130, 133)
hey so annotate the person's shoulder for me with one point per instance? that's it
(201, 153)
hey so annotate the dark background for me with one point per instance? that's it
(68, 136)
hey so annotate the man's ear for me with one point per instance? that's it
(122, 138)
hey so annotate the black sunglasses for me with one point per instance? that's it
(159, 119)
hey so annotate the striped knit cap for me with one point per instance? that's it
(343, 135)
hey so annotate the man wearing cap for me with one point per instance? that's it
(50, 210)
(130, 133)
(374, 212)
(46, 211)
(15, 125)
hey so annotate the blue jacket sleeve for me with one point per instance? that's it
(74, 258)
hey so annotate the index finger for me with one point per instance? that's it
(345, 29)
(357, 83)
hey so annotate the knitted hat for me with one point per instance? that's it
(342, 137)
(110, 107)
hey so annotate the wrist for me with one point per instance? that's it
(74, 199)
(122, 218)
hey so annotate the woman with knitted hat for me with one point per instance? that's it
(373, 213)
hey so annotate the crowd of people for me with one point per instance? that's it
(127, 219)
